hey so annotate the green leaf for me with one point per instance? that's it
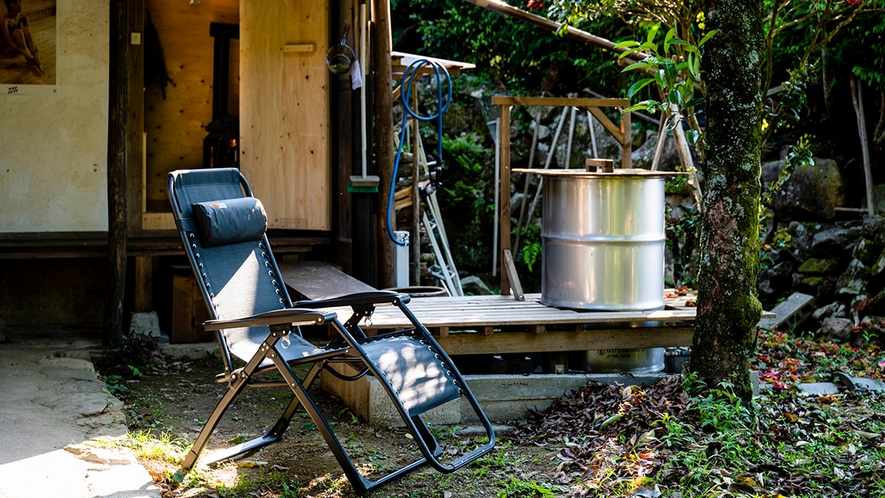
(642, 106)
(626, 44)
(660, 78)
(692, 136)
(628, 52)
(639, 85)
(650, 46)
(707, 37)
(669, 36)
(695, 102)
(636, 65)
(653, 32)
(693, 66)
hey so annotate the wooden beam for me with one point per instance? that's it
(608, 124)
(118, 113)
(626, 141)
(384, 153)
(521, 342)
(559, 102)
(135, 139)
(504, 194)
(144, 283)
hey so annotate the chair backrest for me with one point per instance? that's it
(222, 227)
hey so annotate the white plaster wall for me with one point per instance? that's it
(53, 148)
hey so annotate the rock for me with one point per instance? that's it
(876, 305)
(644, 155)
(811, 191)
(879, 195)
(149, 324)
(865, 251)
(874, 228)
(819, 287)
(765, 288)
(582, 144)
(853, 280)
(830, 241)
(801, 238)
(815, 266)
(836, 328)
(831, 310)
(475, 286)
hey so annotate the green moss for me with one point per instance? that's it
(816, 266)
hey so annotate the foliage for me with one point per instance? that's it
(466, 198)
(518, 56)
(681, 232)
(675, 68)
(136, 353)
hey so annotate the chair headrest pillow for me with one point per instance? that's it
(229, 221)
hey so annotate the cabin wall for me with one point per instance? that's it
(53, 147)
(176, 114)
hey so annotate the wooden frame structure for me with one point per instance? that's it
(620, 133)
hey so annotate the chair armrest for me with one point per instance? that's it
(294, 316)
(371, 298)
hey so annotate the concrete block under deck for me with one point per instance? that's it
(502, 397)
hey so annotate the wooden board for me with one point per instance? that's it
(284, 111)
(175, 123)
(317, 280)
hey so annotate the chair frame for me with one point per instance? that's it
(346, 347)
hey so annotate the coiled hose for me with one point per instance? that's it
(411, 72)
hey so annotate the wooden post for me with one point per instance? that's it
(504, 194)
(857, 99)
(627, 149)
(415, 248)
(112, 326)
(384, 153)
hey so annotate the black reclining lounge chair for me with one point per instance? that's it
(223, 230)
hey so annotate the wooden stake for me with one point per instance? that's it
(857, 99)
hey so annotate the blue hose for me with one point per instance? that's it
(442, 106)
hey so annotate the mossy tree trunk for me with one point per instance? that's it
(728, 309)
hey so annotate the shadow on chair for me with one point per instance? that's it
(258, 329)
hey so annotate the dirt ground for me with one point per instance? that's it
(176, 400)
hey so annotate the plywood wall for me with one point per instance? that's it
(284, 117)
(175, 125)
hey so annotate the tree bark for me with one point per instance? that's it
(728, 309)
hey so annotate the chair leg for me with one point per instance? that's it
(233, 390)
(360, 484)
(272, 435)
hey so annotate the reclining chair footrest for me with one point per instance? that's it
(237, 450)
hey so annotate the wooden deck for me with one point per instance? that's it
(500, 324)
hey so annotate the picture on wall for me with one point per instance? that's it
(27, 44)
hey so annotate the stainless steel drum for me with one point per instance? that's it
(635, 361)
(603, 240)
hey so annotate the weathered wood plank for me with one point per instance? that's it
(317, 280)
(521, 342)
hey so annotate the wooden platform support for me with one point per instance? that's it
(501, 325)
(621, 133)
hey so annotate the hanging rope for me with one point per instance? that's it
(442, 76)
